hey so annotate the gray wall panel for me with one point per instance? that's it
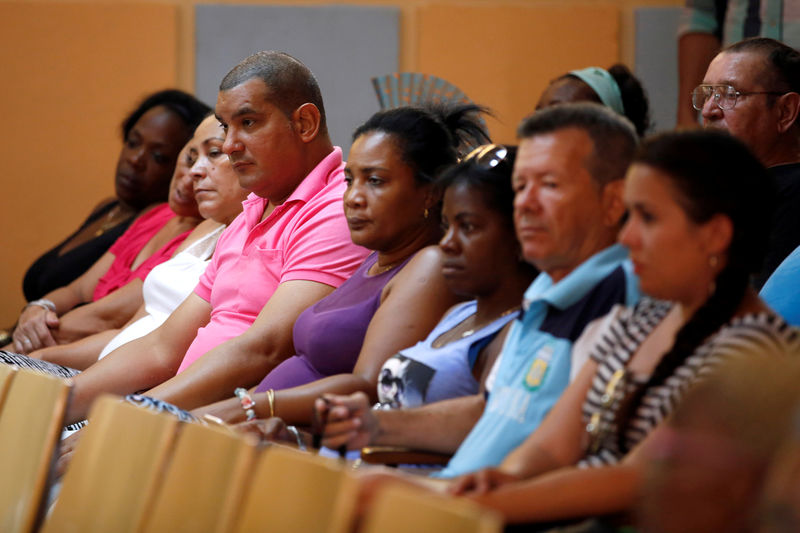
(657, 61)
(343, 45)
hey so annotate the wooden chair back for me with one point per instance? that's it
(115, 470)
(31, 420)
(204, 481)
(290, 491)
(6, 374)
(399, 509)
(343, 516)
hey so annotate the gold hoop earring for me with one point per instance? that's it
(425, 214)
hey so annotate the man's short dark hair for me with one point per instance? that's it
(782, 69)
(613, 137)
(290, 83)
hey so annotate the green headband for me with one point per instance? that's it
(604, 85)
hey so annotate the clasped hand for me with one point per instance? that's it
(35, 329)
(348, 421)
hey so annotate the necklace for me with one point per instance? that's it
(109, 221)
(473, 329)
(385, 268)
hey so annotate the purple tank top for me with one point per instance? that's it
(328, 335)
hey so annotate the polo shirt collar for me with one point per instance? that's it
(318, 178)
(577, 283)
(314, 182)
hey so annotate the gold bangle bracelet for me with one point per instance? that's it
(271, 400)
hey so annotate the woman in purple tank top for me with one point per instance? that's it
(399, 293)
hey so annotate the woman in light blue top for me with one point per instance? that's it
(481, 261)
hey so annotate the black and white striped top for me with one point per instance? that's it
(626, 328)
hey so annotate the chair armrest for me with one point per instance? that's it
(397, 455)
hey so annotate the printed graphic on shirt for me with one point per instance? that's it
(536, 373)
(403, 382)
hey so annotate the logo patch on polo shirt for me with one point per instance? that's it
(539, 367)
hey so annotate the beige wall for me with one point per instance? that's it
(72, 70)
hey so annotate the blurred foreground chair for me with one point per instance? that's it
(399, 455)
(399, 509)
(31, 418)
(291, 491)
(6, 373)
(115, 470)
(204, 482)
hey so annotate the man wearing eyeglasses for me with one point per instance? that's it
(752, 90)
(707, 25)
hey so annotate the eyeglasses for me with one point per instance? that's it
(598, 427)
(488, 155)
(724, 95)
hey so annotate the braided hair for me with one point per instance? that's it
(713, 173)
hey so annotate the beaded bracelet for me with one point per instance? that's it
(42, 302)
(247, 402)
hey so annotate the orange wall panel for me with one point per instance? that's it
(503, 57)
(70, 73)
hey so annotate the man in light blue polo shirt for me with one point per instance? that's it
(567, 211)
(535, 364)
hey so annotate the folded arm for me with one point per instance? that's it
(38, 327)
(83, 353)
(110, 312)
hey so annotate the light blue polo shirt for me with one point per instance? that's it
(534, 365)
(782, 290)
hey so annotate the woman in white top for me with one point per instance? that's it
(219, 198)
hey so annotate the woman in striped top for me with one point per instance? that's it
(699, 212)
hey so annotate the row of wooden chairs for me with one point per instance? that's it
(139, 471)
(32, 408)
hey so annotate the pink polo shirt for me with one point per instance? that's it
(304, 238)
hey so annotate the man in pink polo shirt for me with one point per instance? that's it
(288, 249)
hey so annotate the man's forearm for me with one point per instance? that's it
(695, 52)
(215, 375)
(135, 366)
(439, 426)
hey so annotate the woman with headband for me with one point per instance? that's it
(616, 88)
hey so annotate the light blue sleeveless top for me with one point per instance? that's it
(423, 374)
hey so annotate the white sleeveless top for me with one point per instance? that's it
(166, 287)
